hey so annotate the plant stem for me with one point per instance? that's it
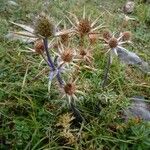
(106, 72)
(48, 54)
(51, 63)
(77, 114)
(61, 82)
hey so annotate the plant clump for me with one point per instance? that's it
(70, 51)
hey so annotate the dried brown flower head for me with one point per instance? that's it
(126, 35)
(84, 26)
(93, 38)
(83, 52)
(86, 56)
(107, 34)
(113, 42)
(55, 46)
(64, 38)
(43, 26)
(67, 55)
(70, 88)
(39, 46)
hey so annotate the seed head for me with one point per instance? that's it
(86, 56)
(70, 88)
(126, 36)
(44, 26)
(84, 26)
(55, 46)
(67, 55)
(93, 38)
(106, 34)
(64, 38)
(83, 52)
(39, 46)
(113, 42)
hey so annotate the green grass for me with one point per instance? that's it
(28, 114)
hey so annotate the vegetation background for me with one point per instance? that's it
(29, 116)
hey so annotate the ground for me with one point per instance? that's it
(30, 117)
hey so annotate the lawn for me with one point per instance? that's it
(35, 116)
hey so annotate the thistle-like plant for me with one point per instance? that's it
(65, 57)
(84, 27)
(60, 57)
(115, 48)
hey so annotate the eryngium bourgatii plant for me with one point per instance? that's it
(64, 55)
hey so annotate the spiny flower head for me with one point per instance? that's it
(39, 46)
(113, 42)
(43, 26)
(64, 34)
(83, 52)
(70, 88)
(64, 39)
(93, 38)
(86, 55)
(84, 26)
(107, 34)
(67, 55)
(126, 36)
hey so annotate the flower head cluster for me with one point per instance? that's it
(114, 43)
(84, 26)
(65, 56)
(71, 89)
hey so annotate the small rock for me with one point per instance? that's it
(138, 109)
(128, 8)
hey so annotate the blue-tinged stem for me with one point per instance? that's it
(61, 82)
(51, 63)
(48, 54)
